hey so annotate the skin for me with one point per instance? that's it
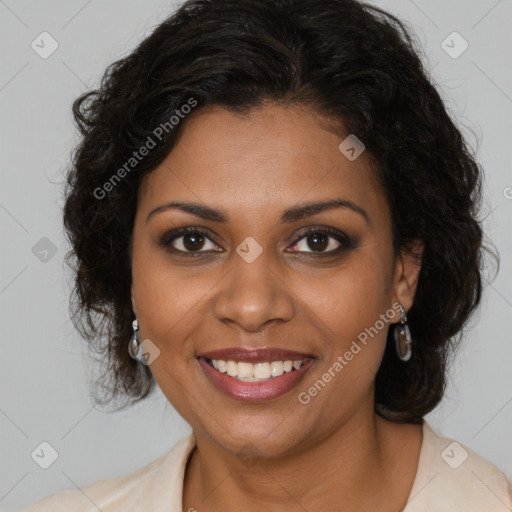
(334, 450)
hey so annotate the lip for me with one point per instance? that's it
(255, 391)
(255, 355)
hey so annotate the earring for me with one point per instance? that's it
(402, 335)
(134, 345)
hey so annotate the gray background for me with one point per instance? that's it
(43, 392)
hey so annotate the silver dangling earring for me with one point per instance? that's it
(134, 345)
(402, 335)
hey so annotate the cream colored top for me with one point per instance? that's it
(450, 478)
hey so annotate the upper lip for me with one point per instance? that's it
(255, 355)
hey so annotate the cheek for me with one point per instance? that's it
(167, 308)
(353, 309)
(349, 299)
(346, 375)
(169, 297)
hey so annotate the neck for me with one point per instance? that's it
(355, 465)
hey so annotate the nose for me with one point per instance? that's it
(252, 296)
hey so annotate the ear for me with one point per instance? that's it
(132, 294)
(406, 275)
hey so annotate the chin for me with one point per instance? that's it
(257, 437)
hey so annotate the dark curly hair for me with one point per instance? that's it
(351, 62)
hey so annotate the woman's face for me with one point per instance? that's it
(251, 279)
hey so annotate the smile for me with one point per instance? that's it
(255, 382)
(255, 372)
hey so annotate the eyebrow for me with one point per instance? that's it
(290, 215)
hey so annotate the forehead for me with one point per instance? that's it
(272, 157)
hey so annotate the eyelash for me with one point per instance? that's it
(346, 242)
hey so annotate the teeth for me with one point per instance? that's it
(262, 370)
(245, 370)
(257, 372)
(232, 368)
(277, 368)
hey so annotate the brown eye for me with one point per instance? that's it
(318, 242)
(323, 241)
(188, 240)
(192, 241)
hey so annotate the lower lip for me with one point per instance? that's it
(255, 391)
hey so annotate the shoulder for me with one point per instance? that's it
(153, 487)
(452, 477)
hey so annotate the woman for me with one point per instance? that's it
(274, 219)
